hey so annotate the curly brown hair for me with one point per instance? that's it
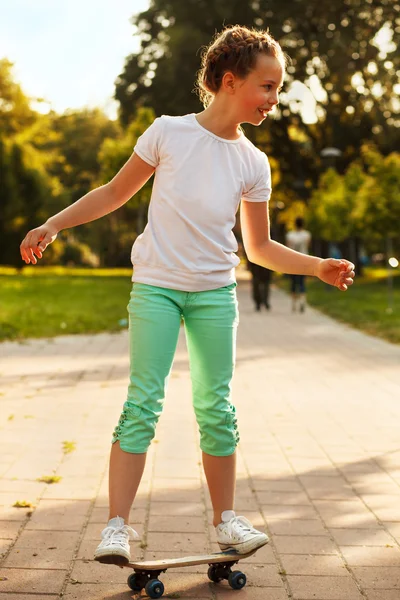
(234, 49)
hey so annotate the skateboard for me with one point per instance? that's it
(146, 573)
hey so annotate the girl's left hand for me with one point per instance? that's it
(339, 273)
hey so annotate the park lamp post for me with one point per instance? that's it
(330, 155)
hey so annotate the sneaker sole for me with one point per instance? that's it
(245, 548)
(113, 559)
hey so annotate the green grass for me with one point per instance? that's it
(363, 306)
(45, 302)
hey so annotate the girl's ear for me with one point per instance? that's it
(228, 82)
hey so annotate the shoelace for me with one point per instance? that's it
(118, 534)
(243, 524)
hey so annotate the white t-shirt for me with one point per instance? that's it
(200, 178)
(298, 240)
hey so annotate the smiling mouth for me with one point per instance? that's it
(264, 111)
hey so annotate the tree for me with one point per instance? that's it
(332, 43)
(379, 196)
(113, 236)
(23, 192)
(15, 110)
(80, 134)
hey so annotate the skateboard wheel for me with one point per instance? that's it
(237, 580)
(134, 584)
(213, 574)
(154, 588)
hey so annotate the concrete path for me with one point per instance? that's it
(319, 464)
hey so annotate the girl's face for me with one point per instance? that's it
(257, 95)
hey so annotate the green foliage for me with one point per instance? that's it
(333, 41)
(330, 217)
(49, 479)
(15, 111)
(23, 192)
(23, 504)
(362, 203)
(81, 134)
(379, 197)
(46, 163)
(113, 236)
(68, 447)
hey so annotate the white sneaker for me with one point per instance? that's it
(237, 533)
(114, 547)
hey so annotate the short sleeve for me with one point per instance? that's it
(261, 190)
(148, 145)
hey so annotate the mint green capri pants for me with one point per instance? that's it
(210, 319)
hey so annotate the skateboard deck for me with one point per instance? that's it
(147, 572)
(187, 561)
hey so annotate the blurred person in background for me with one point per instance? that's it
(260, 285)
(299, 240)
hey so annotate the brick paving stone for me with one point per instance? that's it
(361, 537)
(394, 530)
(261, 575)
(95, 592)
(311, 465)
(367, 556)
(275, 485)
(298, 527)
(9, 529)
(287, 544)
(275, 512)
(191, 543)
(59, 515)
(94, 572)
(37, 581)
(307, 564)
(224, 592)
(176, 524)
(305, 587)
(283, 498)
(26, 597)
(382, 594)
(35, 540)
(346, 513)
(385, 578)
(5, 545)
(195, 509)
(39, 558)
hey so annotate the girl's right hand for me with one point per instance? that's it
(36, 242)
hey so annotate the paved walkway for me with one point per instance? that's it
(319, 464)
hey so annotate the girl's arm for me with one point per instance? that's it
(92, 206)
(270, 254)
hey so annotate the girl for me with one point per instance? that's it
(185, 269)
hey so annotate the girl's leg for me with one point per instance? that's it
(126, 470)
(294, 291)
(220, 473)
(255, 282)
(211, 324)
(302, 288)
(154, 323)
